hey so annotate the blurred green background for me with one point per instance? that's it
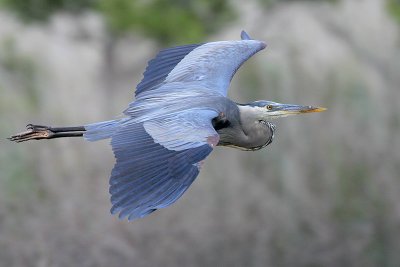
(325, 193)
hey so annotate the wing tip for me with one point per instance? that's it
(129, 213)
(245, 36)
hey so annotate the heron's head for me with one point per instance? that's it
(270, 110)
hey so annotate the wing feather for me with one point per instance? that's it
(245, 36)
(210, 65)
(147, 175)
(159, 67)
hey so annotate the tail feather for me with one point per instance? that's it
(102, 130)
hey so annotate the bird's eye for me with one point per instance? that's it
(269, 107)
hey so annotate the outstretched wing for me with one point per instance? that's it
(156, 161)
(159, 67)
(210, 65)
(169, 132)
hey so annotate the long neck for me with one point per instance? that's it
(246, 130)
(259, 132)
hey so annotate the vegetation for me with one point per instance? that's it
(325, 193)
(268, 3)
(165, 21)
(394, 9)
(41, 10)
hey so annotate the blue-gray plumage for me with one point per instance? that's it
(180, 113)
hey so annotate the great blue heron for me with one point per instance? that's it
(181, 112)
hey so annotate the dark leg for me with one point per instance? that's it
(37, 132)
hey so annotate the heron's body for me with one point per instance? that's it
(180, 113)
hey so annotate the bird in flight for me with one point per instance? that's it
(180, 114)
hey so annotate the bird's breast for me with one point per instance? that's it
(253, 138)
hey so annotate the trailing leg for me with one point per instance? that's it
(38, 132)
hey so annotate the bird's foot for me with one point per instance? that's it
(33, 132)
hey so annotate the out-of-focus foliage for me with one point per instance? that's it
(21, 69)
(166, 21)
(267, 3)
(326, 192)
(394, 9)
(30, 10)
